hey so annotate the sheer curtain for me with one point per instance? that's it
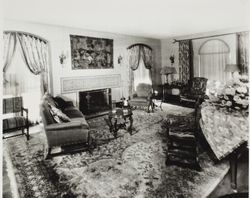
(211, 57)
(141, 75)
(140, 62)
(26, 73)
(21, 82)
(212, 66)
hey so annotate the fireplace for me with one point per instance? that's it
(95, 101)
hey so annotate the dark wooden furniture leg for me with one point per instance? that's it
(233, 169)
(115, 128)
(47, 153)
(130, 124)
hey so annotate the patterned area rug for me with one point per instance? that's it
(125, 167)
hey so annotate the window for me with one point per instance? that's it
(212, 55)
(141, 75)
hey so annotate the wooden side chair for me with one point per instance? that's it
(181, 132)
(13, 107)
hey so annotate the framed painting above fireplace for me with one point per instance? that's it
(91, 52)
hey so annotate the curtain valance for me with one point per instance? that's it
(34, 51)
(137, 52)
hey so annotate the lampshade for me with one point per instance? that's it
(168, 70)
(232, 68)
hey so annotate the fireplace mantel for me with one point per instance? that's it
(85, 83)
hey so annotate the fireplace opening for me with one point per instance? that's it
(95, 102)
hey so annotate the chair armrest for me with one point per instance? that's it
(65, 125)
(27, 113)
(25, 109)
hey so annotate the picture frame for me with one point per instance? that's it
(91, 52)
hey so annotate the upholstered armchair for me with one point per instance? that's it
(195, 91)
(142, 97)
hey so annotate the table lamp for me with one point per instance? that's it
(232, 68)
(167, 71)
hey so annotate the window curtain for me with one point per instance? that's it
(21, 82)
(214, 55)
(243, 51)
(19, 76)
(140, 62)
(134, 57)
(35, 54)
(9, 48)
(141, 75)
(185, 60)
(147, 57)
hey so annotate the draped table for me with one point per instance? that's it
(225, 132)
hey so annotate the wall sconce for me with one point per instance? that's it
(119, 60)
(62, 58)
(171, 58)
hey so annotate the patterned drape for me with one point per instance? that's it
(131, 88)
(35, 54)
(9, 48)
(134, 57)
(243, 51)
(185, 60)
(137, 54)
(147, 57)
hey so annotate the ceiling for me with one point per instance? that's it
(147, 18)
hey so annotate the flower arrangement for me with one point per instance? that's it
(235, 95)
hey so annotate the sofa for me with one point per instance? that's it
(63, 124)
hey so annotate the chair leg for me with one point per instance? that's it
(47, 152)
(28, 133)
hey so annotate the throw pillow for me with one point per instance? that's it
(60, 103)
(58, 115)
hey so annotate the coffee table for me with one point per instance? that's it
(118, 118)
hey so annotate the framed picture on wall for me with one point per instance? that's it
(91, 53)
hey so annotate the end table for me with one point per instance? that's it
(117, 119)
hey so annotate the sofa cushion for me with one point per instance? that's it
(61, 103)
(73, 112)
(49, 98)
(83, 121)
(58, 115)
(15, 122)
